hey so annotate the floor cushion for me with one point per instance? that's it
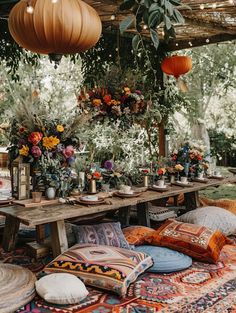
(199, 242)
(165, 260)
(16, 287)
(61, 288)
(135, 234)
(227, 204)
(109, 234)
(213, 217)
(105, 267)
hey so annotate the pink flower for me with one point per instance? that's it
(68, 152)
(35, 150)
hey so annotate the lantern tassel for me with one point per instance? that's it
(182, 85)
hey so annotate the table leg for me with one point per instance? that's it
(143, 214)
(58, 237)
(191, 200)
(11, 229)
(124, 216)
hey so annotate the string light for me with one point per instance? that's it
(231, 1)
(29, 9)
(113, 17)
(176, 44)
(202, 6)
(145, 27)
(207, 40)
(190, 43)
(54, 1)
(214, 6)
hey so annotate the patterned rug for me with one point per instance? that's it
(204, 288)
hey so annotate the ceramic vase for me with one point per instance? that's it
(50, 193)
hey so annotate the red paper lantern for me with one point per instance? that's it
(55, 27)
(176, 65)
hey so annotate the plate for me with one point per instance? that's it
(201, 180)
(157, 188)
(216, 177)
(91, 202)
(179, 183)
(127, 195)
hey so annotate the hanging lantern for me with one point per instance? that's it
(176, 65)
(55, 27)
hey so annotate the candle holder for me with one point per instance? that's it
(145, 181)
(92, 186)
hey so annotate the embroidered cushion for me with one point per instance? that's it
(109, 234)
(135, 234)
(212, 217)
(61, 288)
(165, 260)
(196, 241)
(105, 267)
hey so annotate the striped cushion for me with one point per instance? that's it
(104, 267)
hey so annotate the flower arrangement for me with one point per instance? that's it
(47, 143)
(94, 175)
(189, 159)
(105, 102)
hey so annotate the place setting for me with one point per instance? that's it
(183, 182)
(161, 186)
(126, 191)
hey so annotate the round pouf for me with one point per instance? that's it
(17, 287)
(165, 260)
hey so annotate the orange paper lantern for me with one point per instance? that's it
(176, 65)
(55, 27)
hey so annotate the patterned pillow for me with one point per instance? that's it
(135, 234)
(105, 267)
(196, 241)
(212, 217)
(109, 234)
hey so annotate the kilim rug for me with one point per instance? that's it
(207, 288)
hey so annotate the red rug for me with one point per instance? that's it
(204, 288)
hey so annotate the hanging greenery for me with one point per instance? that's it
(151, 13)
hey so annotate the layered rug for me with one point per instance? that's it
(208, 288)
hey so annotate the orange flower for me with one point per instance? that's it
(127, 90)
(24, 150)
(161, 171)
(96, 175)
(50, 142)
(97, 102)
(35, 138)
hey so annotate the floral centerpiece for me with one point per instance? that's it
(47, 143)
(115, 104)
(189, 159)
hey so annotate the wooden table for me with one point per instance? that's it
(56, 215)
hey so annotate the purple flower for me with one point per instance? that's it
(68, 152)
(70, 160)
(36, 151)
(108, 165)
(138, 92)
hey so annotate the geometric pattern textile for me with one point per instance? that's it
(135, 234)
(105, 267)
(203, 288)
(108, 234)
(197, 241)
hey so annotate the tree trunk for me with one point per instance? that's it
(199, 132)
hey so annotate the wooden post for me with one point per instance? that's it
(161, 130)
(11, 228)
(191, 200)
(143, 214)
(124, 216)
(58, 238)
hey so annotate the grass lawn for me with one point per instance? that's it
(225, 191)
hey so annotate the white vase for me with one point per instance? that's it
(50, 193)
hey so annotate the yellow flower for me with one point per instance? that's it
(127, 90)
(97, 102)
(24, 150)
(60, 128)
(179, 167)
(50, 142)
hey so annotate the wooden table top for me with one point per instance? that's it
(46, 214)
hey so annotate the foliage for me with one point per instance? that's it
(151, 13)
